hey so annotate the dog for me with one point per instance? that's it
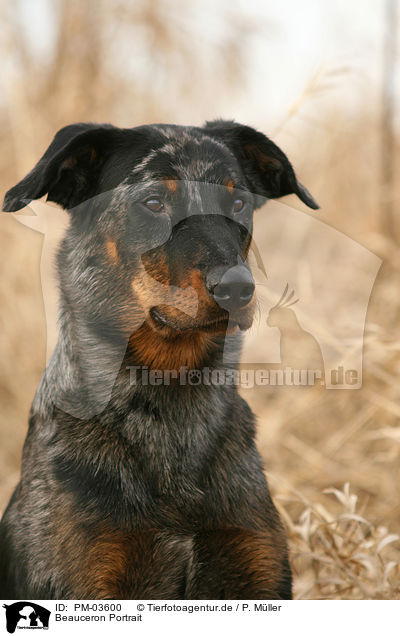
(138, 489)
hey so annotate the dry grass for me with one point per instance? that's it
(340, 553)
(332, 457)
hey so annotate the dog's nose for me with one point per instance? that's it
(233, 289)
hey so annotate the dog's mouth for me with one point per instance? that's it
(224, 323)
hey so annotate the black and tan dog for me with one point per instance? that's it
(139, 489)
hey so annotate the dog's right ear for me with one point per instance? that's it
(267, 169)
(70, 168)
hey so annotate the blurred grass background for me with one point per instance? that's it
(332, 457)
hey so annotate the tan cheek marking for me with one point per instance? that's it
(112, 251)
(195, 279)
(197, 282)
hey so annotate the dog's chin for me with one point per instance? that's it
(170, 326)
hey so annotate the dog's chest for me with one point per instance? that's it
(171, 458)
(174, 446)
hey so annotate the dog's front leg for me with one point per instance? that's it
(236, 563)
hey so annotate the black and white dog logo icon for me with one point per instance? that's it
(26, 615)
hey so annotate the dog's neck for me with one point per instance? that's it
(91, 371)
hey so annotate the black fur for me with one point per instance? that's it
(138, 491)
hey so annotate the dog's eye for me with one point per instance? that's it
(237, 205)
(155, 205)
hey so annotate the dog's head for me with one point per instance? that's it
(161, 225)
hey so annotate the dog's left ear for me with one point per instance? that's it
(70, 168)
(266, 168)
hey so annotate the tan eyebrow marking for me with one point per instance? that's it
(112, 251)
(230, 185)
(171, 184)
